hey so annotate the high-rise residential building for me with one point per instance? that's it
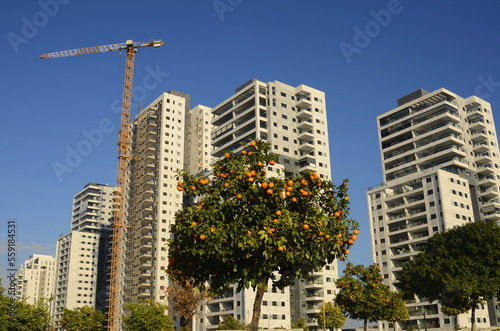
(83, 254)
(440, 162)
(168, 136)
(293, 120)
(158, 147)
(35, 278)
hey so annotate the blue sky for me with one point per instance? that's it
(362, 54)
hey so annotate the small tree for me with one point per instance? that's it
(396, 310)
(330, 316)
(231, 323)
(184, 300)
(147, 316)
(82, 319)
(300, 324)
(460, 268)
(247, 229)
(25, 316)
(363, 296)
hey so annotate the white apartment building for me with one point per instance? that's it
(83, 254)
(440, 161)
(35, 278)
(293, 120)
(158, 146)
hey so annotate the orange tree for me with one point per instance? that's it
(363, 296)
(246, 228)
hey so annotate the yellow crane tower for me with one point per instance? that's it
(123, 160)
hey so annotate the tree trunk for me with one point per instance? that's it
(254, 324)
(473, 318)
(365, 325)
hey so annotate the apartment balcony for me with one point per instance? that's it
(145, 255)
(489, 193)
(306, 146)
(314, 296)
(305, 134)
(486, 181)
(485, 170)
(478, 136)
(481, 158)
(303, 101)
(480, 147)
(307, 163)
(144, 295)
(304, 112)
(305, 124)
(316, 283)
(493, 215)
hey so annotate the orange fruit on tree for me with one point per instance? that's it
(305, 227)
(259, 164)
(226, 184)
(179, 188)
(346, 199)
(202, 236)
(269, 191)
(290, 183)
(304, 193)
(289, 189)
(275, 220)
(278, 212)
(253, 172)
(271, 185)
(287, 193)
(356, 232)
(179, 183)
(194, 223)
(280, 248)
(193, 187)
(239, 196)
(212, 230)
(253, 143)
(350, 241)
(339, 235)
(272, 162)
(248, 174)
(303, 182)
(354, 237)
(294, 199)
(226, 155)
(337, 214)
(249, 153)
(264, 185)
(250, 179)
(243, 152)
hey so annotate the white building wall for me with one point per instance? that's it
(440, 163)
(35, 278)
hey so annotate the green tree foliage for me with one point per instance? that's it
(231, 323)
(300, 324)
(460, 268)
(330, 316)
(147, 316)
(247, 228)
(21, 316)
(363, 296)
(82, 319)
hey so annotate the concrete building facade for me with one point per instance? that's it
(82, 255)
(35, 278)
(441, 168)
(158, 146)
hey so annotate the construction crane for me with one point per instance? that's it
(123, 160)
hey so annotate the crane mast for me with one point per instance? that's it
(124, 157)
